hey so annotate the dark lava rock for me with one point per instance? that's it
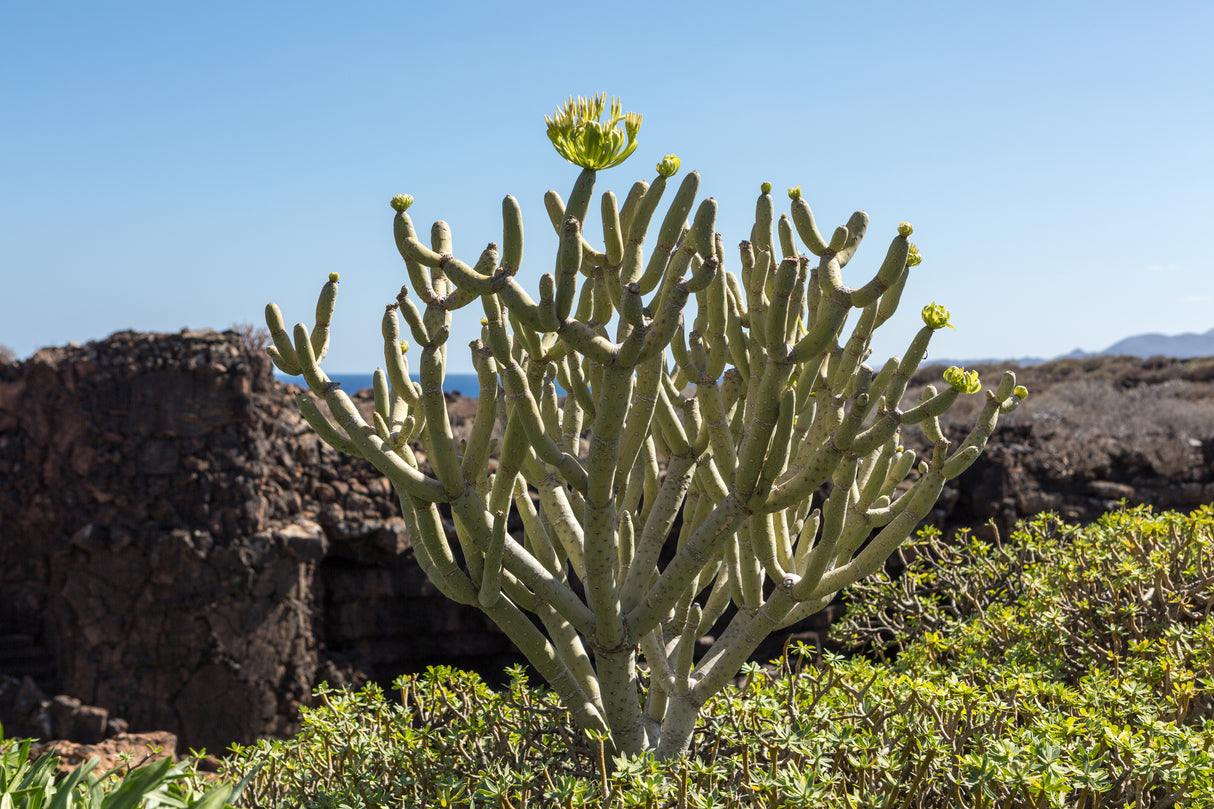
(167, 551)
(1093, 432)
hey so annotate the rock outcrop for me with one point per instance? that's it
(186, 555)
(123, 751)
(179, 553)
(1093, 433)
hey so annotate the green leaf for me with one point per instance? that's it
(214, 798)
(238, 789)
(65, 792)
(137, 785)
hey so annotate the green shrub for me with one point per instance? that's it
(1132, 592)
(1084, 680)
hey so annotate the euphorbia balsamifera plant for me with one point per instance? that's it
(730, 398)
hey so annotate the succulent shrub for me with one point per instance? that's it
(965, 717)
(1133, 589)
(732, 413)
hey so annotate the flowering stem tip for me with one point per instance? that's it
(584, 139)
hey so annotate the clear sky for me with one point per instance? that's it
(169, 165)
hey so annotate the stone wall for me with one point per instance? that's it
(177, 549)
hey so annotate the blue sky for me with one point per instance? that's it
(171, 165)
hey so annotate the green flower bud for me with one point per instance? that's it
(962, 381)
(669, 165)
(581, 137)
(333, 277)
(905, 228)
(632, 124)
(401, 202)
(794, 193)
(913, 258)
(1020, 392)
(765, 188)
(935, 317)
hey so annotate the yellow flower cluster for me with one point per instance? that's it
(584, 140)
(962, 380)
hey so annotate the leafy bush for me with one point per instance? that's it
(1071, 668)
(1132, 585)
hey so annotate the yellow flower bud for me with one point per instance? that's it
(401, 202)
(669, 165)
(936, 316)
(905, 228)
(963, 381)
(632, 124)
(579, 134)
(1020, 392)
(913, 258)
(333, 277)
(765, 188)
(794, 193)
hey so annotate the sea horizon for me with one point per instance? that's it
(455, 384)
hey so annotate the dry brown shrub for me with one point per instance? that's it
(255, 339)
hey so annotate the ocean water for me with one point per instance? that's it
(463, 384)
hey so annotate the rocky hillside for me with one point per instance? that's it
(180, 554)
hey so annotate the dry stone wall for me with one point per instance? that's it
(178, 550)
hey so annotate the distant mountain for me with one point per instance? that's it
(1177, 346)
(1180, 346)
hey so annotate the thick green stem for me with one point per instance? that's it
(743, 457)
